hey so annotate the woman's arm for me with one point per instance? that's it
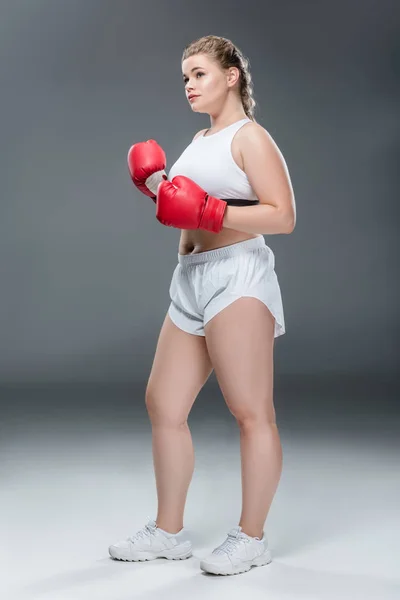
(268, 175)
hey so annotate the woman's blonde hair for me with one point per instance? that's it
(227, 55)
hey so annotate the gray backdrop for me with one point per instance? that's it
(85, 269)
(85, 266)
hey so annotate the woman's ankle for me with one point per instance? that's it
(169, 526)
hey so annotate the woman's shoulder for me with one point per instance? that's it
(254, 133)
(251, 128)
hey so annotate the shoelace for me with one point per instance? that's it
(230, 544)
(146, 531)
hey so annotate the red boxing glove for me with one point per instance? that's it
(184, 204)
(146, 163)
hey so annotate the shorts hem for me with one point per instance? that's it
(224, 303)
(177, 318)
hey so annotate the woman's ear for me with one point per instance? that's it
(233, 75)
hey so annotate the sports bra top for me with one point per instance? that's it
(208, 161)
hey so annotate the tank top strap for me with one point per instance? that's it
(226, 133)
(232, 129)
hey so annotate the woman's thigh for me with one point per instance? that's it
(240, 341)
(181, 366)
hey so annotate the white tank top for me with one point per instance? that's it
(209, 162)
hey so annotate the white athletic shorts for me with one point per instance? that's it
(205, 283)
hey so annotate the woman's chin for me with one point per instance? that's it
(197, 109)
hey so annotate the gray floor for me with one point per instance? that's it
(76, 475)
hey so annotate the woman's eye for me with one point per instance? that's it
(186, 80)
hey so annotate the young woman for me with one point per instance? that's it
(228, 188)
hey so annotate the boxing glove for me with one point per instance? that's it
(146, 164)
(184, 204)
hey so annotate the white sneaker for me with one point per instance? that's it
(152, 542)
(237, 554)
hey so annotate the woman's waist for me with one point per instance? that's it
(194, 241)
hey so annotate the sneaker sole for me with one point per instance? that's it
(260, 561)
(175, 554)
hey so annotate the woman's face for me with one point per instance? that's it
(206, 82)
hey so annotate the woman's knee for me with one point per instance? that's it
(248, 418)
(162, 412)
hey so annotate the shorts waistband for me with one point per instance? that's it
(224, 252)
